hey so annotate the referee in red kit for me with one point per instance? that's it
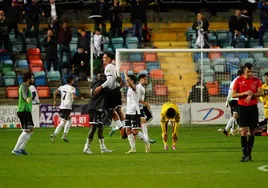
(247, 88)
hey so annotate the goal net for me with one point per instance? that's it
(173, 72)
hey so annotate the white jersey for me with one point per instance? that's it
(141, 92)
(229, 97)
(66, 92)
(110, 72)
(132, 102)
(35, 96)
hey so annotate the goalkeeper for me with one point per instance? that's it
(170, 112)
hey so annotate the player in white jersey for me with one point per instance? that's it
(233, 103)
(114, 101)
(146, 114)
(133, 115)
(67, 93)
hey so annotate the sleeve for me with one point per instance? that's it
(60, 88)
(229, 96)
(73, 91)
(25, 92)
(109, 76)
(235, 87)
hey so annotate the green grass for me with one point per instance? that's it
(205, 158)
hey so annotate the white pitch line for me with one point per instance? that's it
(263, 168)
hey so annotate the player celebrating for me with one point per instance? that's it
(67, 93)
(247, 88)
(232, 102)
(97, 112)
(146, 114)
(264, 100)
(170, 112)
(133, 115)
(25, 114)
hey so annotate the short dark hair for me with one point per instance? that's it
(110, 55)
(171, 113)
(142, 76)
(69, 79)
(248, 65)
(239, 72)
(26, 76)
(133, 78)
(266, 74)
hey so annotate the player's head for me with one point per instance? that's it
(28, 78)
(239, 72)
(143, 79)
(266, 77)
(70, 80)
(171, 113)
(107, 58)
(133, 79)
(247, 70)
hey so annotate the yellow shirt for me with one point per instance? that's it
(168, 105)
(264, 98)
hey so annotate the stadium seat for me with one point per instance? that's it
(17, 45)
(34, 54)
(206, 64)
(222, 35)
(138, 66)
(228, 54)
(262, 71)
(19, 79)
(214, 55)
(40, 78)
(261, 62)
(31, 43)
(253, 43)
(246, 60)
(125, 66)
(143, 72)
(152, 65)
(4, 57)
(43, 91)
(132, 42)
(53, 76)
(6, 65)
(212, 37)
(136, 57)
(156, 74)
(232, 64)
(118, 42)
(213, 88)
(224, 88)
(23, 64)
(36, 65)
(219, 65)
(10, 78)
(150, 57)
(161, 90)
(12, 92)
(209, 75)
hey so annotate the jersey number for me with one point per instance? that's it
(65, 93)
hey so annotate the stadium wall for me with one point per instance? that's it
(195, 113)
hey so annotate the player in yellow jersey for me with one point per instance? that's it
(264, 100)
(170, 112)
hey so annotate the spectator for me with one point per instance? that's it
(80, 64)
(237, 28)
(97, 40)
(138, 17)
(53, 14)
(83, 42)
(116, 18)
(195, 93)
(13, 17)
(64, 39)
(263, 6)
(201, 25)
(32, 16)
(247, 9)
(50, 43)
(100, 9)
(3, 31)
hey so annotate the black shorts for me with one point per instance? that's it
(97, 117)
(133, 121)
(234, 106)
(114, 98)
(145, 112)
(26, 120)
(248, 116)
(65, 114)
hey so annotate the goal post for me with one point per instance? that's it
(173, 72)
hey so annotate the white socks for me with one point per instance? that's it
(118, 124)
(87, 144)
(67, 126)
(23, 136)
(22, 146)
(59, 127)
(142, 137)
(131, 140)
(230, 123)
(144, 129)
(102, 145)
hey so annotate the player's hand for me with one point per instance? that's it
(249, 93)
(97, 90)
(28, 100)
(248, 99)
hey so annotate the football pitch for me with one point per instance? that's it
(205, 158)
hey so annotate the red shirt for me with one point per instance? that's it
(242, 85)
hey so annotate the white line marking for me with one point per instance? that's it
(263, 168)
